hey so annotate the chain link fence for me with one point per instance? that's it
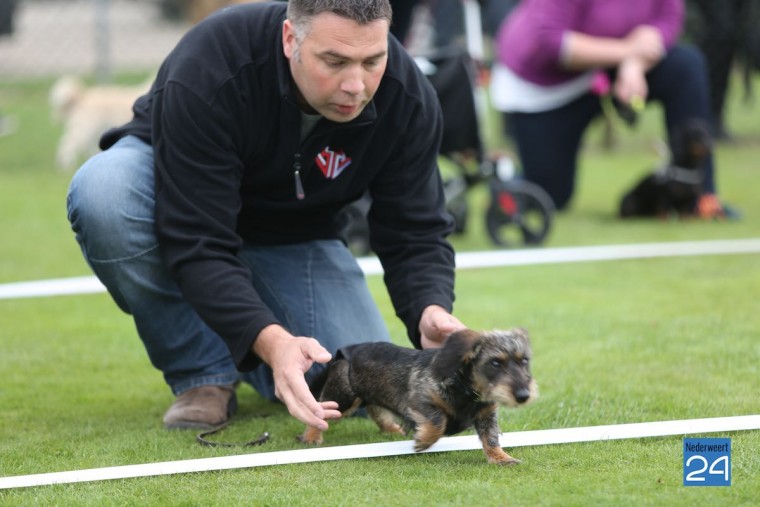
(98, 38)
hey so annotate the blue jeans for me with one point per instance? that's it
(315, 289)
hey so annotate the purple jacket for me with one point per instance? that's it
(530, 39)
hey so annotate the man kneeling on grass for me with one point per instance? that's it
(214, 216)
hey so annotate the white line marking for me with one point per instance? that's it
(53, 287)
(448, 444)
(465, 260)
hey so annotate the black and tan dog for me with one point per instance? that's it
(675, 188)
(436, 392)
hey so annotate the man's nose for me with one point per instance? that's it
(353, 82)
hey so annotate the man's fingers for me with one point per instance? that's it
(295, 393)
(304, 414)
(330, 410)
(436, 325)
(295, 358)
(316, 352)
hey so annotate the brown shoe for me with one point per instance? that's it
(201, 408)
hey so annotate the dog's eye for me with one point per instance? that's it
(496, 363)
(524, 361)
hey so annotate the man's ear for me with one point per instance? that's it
(455, 351)
(288, 38)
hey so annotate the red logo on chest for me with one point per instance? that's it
(332, 163)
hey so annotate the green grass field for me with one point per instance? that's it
(614, 342)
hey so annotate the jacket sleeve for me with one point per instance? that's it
(408, 220)
(530, 40)
(197, 202)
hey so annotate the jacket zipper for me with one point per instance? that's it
(300, 194)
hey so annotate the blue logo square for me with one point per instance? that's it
(706, 461)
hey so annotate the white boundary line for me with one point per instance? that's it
(469, 260)
(465, 260)
(459, 443)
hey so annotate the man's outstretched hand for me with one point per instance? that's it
(290, 357)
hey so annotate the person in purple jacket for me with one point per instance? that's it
(550, 51)
(214, 216)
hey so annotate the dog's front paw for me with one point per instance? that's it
(420, 446)
(311, 436)
(510, 461)
(427, 434)
(497, 456)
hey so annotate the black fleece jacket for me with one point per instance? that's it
(224, 126)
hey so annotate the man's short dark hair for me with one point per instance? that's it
(363, 12)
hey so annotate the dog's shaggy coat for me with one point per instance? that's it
(436, 392)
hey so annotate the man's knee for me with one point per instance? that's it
(95, 199)
(108, 205)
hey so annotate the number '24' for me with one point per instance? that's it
(713, 468)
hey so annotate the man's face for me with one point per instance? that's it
(338, 65)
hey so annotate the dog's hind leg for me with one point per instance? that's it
(311, 436)
(487, 427)
(385, 419)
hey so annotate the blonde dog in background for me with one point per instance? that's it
(86, 113)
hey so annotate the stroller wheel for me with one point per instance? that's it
(455, 190)
(520, 213)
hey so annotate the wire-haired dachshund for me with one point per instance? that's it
(435, 392)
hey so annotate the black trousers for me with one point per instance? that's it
(723, 29)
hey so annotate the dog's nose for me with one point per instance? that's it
(522, 395)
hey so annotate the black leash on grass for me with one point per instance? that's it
(201, 438)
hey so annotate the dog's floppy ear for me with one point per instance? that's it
(522, 332)
(454, 352)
